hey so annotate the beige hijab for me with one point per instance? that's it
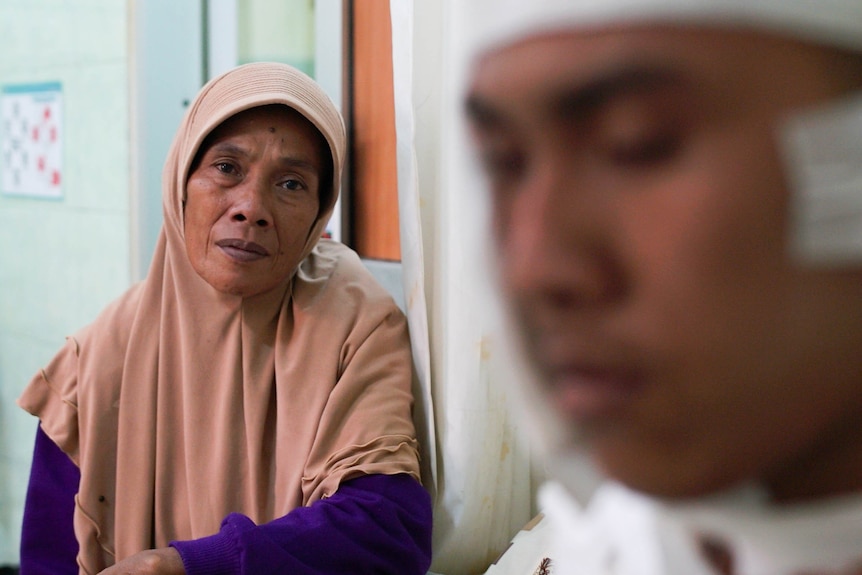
(181, 404)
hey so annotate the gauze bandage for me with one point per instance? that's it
(823, 163)
(832, 22)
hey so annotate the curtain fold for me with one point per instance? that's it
(477, 457)
(412, 252)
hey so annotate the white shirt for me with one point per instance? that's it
(621, 532)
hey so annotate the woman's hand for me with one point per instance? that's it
(154, 562)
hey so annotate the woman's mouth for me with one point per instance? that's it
(241, 250)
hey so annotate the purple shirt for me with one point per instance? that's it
(372, 524)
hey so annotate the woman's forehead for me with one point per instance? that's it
(278, 116)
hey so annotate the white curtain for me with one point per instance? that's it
(477, 460)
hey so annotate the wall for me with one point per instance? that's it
(277, 30)
(166, 60)
(61, 260)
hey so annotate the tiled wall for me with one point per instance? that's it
(62, 260)
(277, 30)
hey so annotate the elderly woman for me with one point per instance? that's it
(247, 407)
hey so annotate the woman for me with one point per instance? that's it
(246, 408)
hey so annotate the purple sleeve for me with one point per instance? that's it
(372, 524)
(48, 544)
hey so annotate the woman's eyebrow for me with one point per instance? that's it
(228, 148)
(232, 149)
(295, 162)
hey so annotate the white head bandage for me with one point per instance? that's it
(833, 22)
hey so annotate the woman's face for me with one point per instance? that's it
(252, 198)
(640, 219)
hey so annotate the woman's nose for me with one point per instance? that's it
(250, 204)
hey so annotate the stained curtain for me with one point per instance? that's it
(477, 461)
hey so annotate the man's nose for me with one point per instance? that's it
(250, 203)
(555, 240)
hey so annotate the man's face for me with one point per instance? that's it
(252, 198)
(640, 222)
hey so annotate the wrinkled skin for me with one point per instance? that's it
(252, 198)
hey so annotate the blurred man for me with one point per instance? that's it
(676, 190)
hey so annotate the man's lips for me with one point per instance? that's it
(242, 250)
(586, 393)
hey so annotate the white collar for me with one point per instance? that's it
(624, 533)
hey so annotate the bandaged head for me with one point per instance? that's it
(822, 147)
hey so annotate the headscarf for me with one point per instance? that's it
(251, 86)
(181, 404)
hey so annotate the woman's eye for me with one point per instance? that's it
(292, 184)
(226, 168)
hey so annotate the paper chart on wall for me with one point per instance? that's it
(31, 140)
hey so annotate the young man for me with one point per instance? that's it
(676, 190)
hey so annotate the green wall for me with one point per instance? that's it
(278, 31)
(61, 260)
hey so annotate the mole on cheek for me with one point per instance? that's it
(271, 129)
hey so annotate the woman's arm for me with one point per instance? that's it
(48, 544)
(372, 524)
